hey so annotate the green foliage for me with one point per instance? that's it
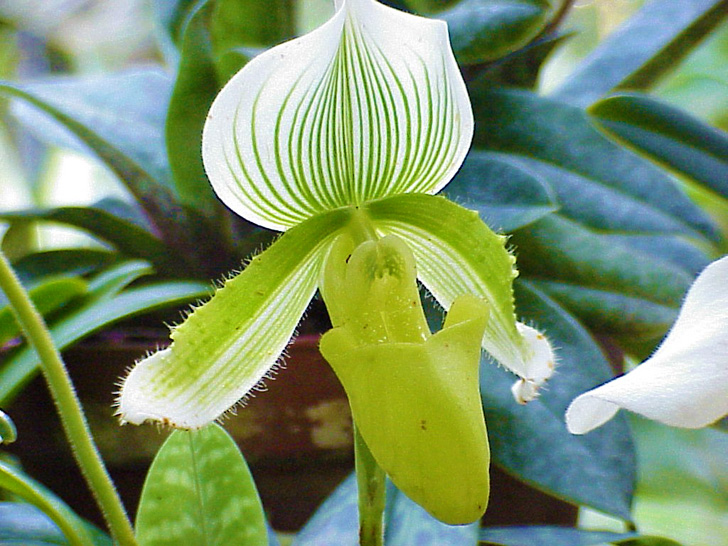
(125, 235)
(610, 204)
(669, 136)
(199, 492)
(407, 524)
(531, 442)
(507, 196)
(484, 30)
(194, 90)
(546, 536)
(26, 524)
(25, 487)
(47, 298)
(647, 46)
(106, 302)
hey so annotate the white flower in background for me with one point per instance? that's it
(685, 383)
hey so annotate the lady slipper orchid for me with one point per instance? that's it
(339, 139)
(685, 383)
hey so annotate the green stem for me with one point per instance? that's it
(372, 485)
(69, 408)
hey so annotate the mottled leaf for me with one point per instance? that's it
(199, 492)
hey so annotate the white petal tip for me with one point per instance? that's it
(538, 367)
(141, 400)
(524, 391)
(587, 412)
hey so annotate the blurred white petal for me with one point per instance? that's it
(685, 383)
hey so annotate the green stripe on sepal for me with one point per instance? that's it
(414, 397)
(456, 254)
(227, 345)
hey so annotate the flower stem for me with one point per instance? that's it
(372, 485)
(69, 408)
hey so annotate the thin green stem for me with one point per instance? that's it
(69, 408)
(372, 485)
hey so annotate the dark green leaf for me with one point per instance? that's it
(18, 239)
(25, 525)
(668, 135)
(521, 68)
(532, 443)
(611, 312)
(238, 26)
(194, 90)
(616, 253)
(408, 524)
(597, 183)
(603, 283)
(429, 6)
(645, 47)
(72, 261)
(199, 492)
(673, 250)
(484, 30)
(48, 297)
(684, 484)
(93, 315)
(647, 541)
(127, 237)
(546, 536)
(123, 129)
(111, 281)
(336, 522)
(25, 487)
(171, 15)
(506, 196)
(8, 431)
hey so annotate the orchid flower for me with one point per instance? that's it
(339, 139)
(685, 382)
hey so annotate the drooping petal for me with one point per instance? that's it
(224, 348)
(458, 254)
(369, 104)
(685, 383)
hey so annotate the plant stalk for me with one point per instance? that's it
(68, 405)
(372, 486)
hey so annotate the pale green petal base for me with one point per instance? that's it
(226, 346)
